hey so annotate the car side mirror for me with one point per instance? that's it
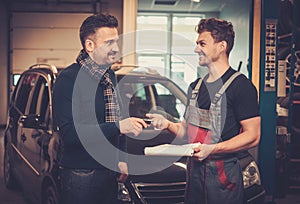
(30, 121)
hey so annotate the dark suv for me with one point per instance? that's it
(32, 143)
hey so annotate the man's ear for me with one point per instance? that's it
(223, 45)
(89, 45)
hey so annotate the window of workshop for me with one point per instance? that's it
(152, 42)
(166, 42)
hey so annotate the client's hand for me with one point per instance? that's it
(124, 172)
(132, 126)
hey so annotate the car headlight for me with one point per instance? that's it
(251, 175)
(123, 193)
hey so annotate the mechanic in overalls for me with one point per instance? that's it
(222, 114)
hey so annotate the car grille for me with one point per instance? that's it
(160, 193)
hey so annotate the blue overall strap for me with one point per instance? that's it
(224, 87)
(194, 95)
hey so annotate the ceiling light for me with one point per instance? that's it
(165, 2)
(196, 1)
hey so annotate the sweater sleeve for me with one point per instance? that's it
(123, 156)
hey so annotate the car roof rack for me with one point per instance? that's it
(123, 69)
(117, 67)
(47, 66)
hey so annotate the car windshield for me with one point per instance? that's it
(141, 95)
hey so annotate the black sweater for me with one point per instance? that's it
(88, 142)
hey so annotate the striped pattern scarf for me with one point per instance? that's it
(100, 73)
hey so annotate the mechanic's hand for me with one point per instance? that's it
(124, 172)
(132, 125)
(158, 121)
(203, 151)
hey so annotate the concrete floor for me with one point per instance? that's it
(7, 196)
(289, 199)
(11, 197)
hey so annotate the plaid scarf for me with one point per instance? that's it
(100, 73)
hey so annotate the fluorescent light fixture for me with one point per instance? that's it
(196, 1)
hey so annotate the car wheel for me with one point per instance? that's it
(9, 177)
(50, 195)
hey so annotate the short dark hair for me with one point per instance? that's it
(92, 23)
(220, 30)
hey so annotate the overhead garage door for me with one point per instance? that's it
(45, 38)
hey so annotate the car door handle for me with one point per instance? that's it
(22, 119)
(23, 137)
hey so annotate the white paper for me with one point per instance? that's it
(171, 150)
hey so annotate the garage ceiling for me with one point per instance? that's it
(182, 6)
(60, 6)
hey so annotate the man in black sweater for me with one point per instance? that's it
(87, 110)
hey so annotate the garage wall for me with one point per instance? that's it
(3, 63)
(49, 37)
(238, 12)
(45, 38)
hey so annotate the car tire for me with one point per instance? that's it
(9, 177)
(50, 195)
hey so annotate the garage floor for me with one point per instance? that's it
(7, 196)
(289, 199)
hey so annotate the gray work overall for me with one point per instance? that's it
(217, 179)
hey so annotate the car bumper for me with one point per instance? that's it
(255, 194)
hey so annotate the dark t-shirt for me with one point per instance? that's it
(239, 102)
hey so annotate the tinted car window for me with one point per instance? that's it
(141, 98)
(26, 86)
(40, 100)
(168, 102)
